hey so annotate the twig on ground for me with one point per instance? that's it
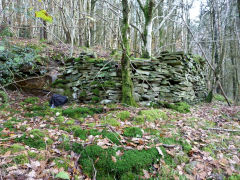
(220, 129)
(10, 138)
(169, 146)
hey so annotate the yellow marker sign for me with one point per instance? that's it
(43, 15)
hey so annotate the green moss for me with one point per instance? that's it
(35, 139)
(60, 83)
(32, 154)
(183, 158)
(153, 114)
(59, 119)
(36, 108)
(114, 137)
(3, 99)
(140, 119)
(181, 107)
(81, 133)
(210, 148)
(209, 97)
(68, 92)
(129, 176)
(112, 106)
(234, 177)
(91, 125)
(111, 121)
(31, 100)
(95, 99)
(219, 97)
(152, 131)
(83, 94)
(128, 165)
(123, 115)
(81, 112)
(109, 84)
(35, 114)
(23, 128)
(96, 92)
(21, 159)
(17, 148)
(55, 111)
(62, 163)
(70, 122)
(173, 140)
(65, 142)
(9, 124)
(132, 132)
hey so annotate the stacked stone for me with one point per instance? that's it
(172, 77)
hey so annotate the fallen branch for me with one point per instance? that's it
(220, 129)
(10, 138)
(168, 146)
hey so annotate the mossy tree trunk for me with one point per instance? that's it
(127, 85)
(147, 33)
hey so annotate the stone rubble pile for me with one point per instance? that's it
(172, 77)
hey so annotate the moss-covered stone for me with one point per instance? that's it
(132, 132)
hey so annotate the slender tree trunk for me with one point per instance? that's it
(147, 34)
(127, 85)
(238, 3)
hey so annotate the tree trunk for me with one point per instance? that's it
(92, 23)
(127, 85)
(147, 34)
(238, 3)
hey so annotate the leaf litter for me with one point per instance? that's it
(215, 152)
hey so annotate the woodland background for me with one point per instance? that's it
(155, 26)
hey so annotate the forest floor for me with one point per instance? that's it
(80, 141)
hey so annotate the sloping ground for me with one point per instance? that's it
(81, 141)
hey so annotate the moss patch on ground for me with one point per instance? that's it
(174, 140)
(31, 100)
(181, 107)
(132, 132)
(81, 112)
(35, 138)
(151, 115)
(128, 165)
(123, 115)
(84, 133)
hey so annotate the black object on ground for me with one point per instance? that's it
(58, 100)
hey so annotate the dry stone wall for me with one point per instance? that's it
(172, 77)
